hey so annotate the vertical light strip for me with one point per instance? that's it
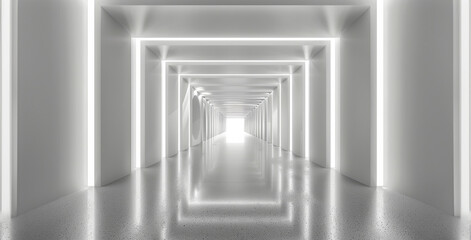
(333, 102)
(291, 112)
(164, 108)
(138, 100)
(380, 92)
(91, 93)
(307, 99)
(464, 107)
(7, 78)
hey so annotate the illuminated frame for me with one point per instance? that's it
(91, 81)
(164, 64)
(212, 75)
(261, 40)
(7, 84)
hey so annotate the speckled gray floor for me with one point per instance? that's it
(245, 189)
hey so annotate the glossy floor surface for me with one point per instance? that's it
(235, 187)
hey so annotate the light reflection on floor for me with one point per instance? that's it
(245, 189)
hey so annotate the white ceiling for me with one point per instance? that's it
(160, 22)
(235, 69)
(235, 21)
(235, 96)
(299, 51)
(235, 2)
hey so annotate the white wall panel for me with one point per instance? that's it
(263, 120)
(196, 120)
(172, 112)
(185, 100)
(419, 91)
(1, 57)
(51, 140)
(204, 120)
(270, 119)
(318, 109)
(276, 117)
(285, 113)
(355, 101)
(152, 89)
(298, 112)
(115, 100)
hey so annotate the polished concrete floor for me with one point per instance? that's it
(235, 187)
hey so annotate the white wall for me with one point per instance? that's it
(298, 112)
(152, 89)
(355, 101)
(204, 120)
(263, 119)
(249, 123)
(185, 100)
(318, 109)
(210, 120)
(256, 127)
(172, 112)
(196, 120)
(1, 57)
(419, 91)
(270, 118)
(115, 97)
(51, 101)
(259, 121)
(276, 117)
(285, 113)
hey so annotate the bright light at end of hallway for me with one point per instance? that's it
(235, 130)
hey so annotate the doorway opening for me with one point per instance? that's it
(235, 128)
